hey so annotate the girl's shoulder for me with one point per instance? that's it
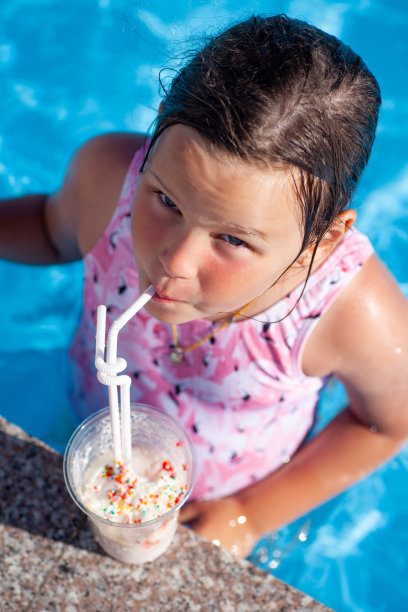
(363, 340)
(363, 336)
(370, 303)
(93, 183)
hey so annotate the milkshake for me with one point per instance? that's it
(132, 508)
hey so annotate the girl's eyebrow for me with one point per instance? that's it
(165, 189)
(233, 226)
(247, 230)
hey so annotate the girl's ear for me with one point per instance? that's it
(344, 221)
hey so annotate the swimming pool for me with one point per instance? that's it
(69, 71)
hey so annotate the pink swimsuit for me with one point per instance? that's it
(242, 397)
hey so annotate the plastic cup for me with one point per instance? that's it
(152, 428)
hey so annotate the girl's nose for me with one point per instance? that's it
(180, 257)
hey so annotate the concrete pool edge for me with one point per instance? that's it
(50, 559)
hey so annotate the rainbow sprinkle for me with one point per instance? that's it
(124, 496)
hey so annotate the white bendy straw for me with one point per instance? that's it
(107, 374)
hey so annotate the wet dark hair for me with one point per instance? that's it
(276, 91)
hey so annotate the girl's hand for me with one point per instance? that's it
(224, 522)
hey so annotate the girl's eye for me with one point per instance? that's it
(233, 241)
(166, 201)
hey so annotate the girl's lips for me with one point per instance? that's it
(158, 297)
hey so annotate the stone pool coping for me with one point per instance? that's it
(50, 561)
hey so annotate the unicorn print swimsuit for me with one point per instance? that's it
(241, 396)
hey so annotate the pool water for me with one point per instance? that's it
(69, 71)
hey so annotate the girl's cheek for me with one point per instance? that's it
(228, 274)
(146, 230)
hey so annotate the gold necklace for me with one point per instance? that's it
(177, 353)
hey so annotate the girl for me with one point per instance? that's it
(237, 211)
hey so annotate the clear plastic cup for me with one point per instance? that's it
(151, 428)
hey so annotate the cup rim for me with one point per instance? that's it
(100, 414)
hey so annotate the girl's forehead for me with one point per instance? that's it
(183, 156)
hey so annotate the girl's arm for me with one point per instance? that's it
(64, 226)
(24, 236)
(363, 339)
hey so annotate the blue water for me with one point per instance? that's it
(71, 70)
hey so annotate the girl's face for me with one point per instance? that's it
(211, 232)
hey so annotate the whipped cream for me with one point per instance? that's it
(144, 490)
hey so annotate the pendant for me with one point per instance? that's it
(177, 355)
